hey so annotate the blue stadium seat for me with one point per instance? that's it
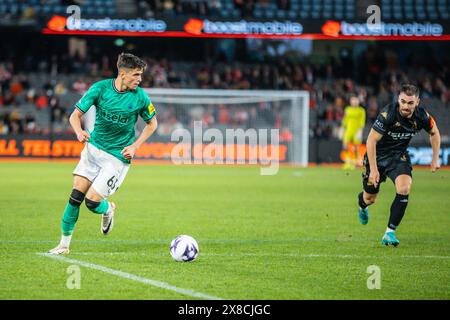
(88, 9)
(339, 15)
(350, 15)
(59, 9)
(281, 14)
(292, 14)
(304, 15)
(421, 15)
(235, 13)
(101, 11)
(225, 13)
(295, 6)
(398, 15)
(409, 15)
(258, 13)
(327, 14)
(228, 5)
(269, 14)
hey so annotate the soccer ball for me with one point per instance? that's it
(184, 248)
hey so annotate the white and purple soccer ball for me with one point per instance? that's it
(184, 248)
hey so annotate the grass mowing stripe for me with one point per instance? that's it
(133, 277)
(301, 255)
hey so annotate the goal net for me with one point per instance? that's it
(231, 114)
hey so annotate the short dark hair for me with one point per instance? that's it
(410, 90)
(130, 61)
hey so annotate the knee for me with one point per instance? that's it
(403, 189)
(91, 204)
(76, 198)
(370, 199)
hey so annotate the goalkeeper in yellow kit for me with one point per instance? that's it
(353, 124)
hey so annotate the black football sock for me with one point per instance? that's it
(361, 202)
(398, 208)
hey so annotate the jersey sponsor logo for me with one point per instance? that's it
(379, 124)
(151, 108)
(401, 135)
(112, 117)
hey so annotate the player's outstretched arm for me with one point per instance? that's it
(435, 140)
(75, 122)
(372, 141)
(129, 151)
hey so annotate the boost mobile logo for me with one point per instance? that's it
(334, 28)
(196, 26)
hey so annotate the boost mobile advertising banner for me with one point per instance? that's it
(245, 28)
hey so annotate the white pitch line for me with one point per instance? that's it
(133, 277)
(267, 254)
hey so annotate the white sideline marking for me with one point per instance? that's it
(301, 255)
(133, 277)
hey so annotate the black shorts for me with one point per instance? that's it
(391, 167)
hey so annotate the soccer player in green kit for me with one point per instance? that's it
(109, 148)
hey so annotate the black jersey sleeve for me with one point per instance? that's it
(381, 123)
(427, 120)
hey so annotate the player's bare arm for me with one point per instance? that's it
(372, 141)
(75, 122)
(435, 140)
(129, 151)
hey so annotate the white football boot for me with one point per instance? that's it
(108, 219)
(59, 250)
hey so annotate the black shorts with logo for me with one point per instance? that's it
(392, 167)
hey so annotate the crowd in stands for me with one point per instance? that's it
(212, 8)
(329, 85)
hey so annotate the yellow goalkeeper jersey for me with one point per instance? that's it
(354, 118)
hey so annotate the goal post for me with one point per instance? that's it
(285, 111)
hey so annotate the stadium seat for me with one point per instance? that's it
(269, 14)
(315, 14)
(258, 13)
(304, 14)
(235, 13)
(281, 14)
(293, 14)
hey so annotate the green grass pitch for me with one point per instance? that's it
(294, 235)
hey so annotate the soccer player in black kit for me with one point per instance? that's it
(387, 155)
